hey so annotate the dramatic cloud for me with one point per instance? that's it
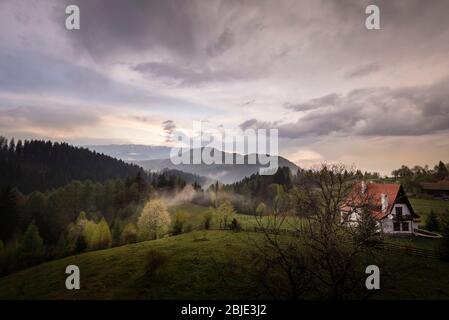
(363, 70)
(308, 67)
(408, 111)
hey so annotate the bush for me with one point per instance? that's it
(154, 262)
(432, 223)
(178, 224)
(154, 221)
(103, 236)
(235, 225)
(129, 234)
(32, 244)
(207, 220)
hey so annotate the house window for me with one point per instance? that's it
(396, 226)
(405, 226)
(399, 213)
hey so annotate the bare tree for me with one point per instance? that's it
(323, 254)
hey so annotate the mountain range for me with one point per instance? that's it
(157, 158)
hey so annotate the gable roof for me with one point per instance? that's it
(391, 190)
(374, 191)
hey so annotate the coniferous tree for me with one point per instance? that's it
(432, 223)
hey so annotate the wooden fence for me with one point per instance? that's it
(386, 246)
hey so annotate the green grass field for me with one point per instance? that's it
(192, 269)
(423, 207)
(192, 272)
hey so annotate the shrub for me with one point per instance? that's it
(235, 225)
(154, 262)
(178, 224)
(104, 236)
(32, 244)
(432, 223)
(154, 221)
(225, 212)
(129, 234)
(207, 220)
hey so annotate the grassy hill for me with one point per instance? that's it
(423, 207)
(193, 270)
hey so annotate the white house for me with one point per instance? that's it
(388, 204)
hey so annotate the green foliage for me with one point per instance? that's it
(178, 223)
(225, 213)
(129, 234)
(32, 243)
(103, 236)
(86, 234)
(116, 231)
(207, 219)
(154, 220)
(155, 261)
(8, 213)
(260, 210)
(235, 225)
(432, 223)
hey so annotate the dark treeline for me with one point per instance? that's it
(411, 178)
(256, 189)
(41, 165)
(56, 199)
(82, 215)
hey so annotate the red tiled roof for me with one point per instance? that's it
(376, 190)
(374, 193)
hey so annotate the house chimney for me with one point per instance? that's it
(384, 201)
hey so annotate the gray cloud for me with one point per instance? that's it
(169, 127)
(363, 70)
(184, 75)
(120, 26)
(223, 43)
(325, 101)
(44, 117)
(408, 111)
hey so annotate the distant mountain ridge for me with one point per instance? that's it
(132, 152)
(225, 173)
(157, 158)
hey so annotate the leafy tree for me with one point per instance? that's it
(432, 223)
(207, 219)
(441, 171)
(32, 243)
(235, 225)
(225, 212)
(154, 220)
(260, 210)
(105, 237)
(129, 233)
(178, 224)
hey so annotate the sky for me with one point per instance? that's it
(137, 71)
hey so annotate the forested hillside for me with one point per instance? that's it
(31, 165)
